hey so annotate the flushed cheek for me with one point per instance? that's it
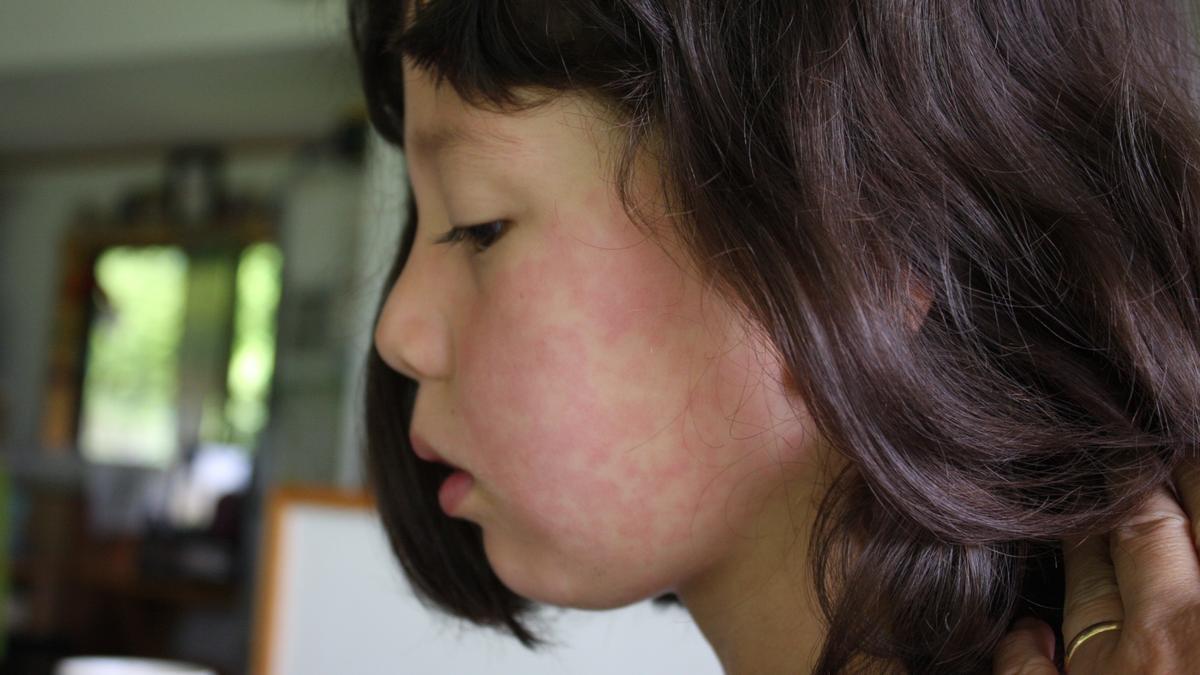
(572, 423)
(548, 434)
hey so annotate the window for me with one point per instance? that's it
(180, 350)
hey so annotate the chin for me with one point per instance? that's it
(550, 580)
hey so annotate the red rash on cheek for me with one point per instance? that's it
(633, 284)
(557, 380)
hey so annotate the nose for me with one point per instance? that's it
(412, 334)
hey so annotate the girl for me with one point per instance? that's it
(829, 319)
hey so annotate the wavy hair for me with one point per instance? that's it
(1028, 168)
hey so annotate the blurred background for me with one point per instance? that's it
(193, 227)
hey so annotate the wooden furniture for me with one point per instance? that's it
(87, 593)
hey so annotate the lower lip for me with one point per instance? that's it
(454, 489)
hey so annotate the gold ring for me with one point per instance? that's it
(1089, 632)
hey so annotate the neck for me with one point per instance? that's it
(756, 607)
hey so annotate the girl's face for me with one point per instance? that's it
(622, 423)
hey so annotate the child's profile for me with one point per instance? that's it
(828, 319)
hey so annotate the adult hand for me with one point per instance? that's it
(1145, 574)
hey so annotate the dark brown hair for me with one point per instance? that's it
(1028, 167)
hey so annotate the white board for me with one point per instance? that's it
(341, 605)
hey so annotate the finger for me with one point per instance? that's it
(1155, 560)
(1187, 488)
(1027, 649)
(1092, 595)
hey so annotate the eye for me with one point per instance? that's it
(482, 236)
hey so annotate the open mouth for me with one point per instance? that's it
(453, 481)
(444, 467)
(443, 470)
(422, 449)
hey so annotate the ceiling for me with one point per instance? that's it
(78, 76)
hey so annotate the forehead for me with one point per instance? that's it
(444, 138)
(438, 122)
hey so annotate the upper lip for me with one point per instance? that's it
(424, 449)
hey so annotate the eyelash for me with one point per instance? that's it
(480, 235)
